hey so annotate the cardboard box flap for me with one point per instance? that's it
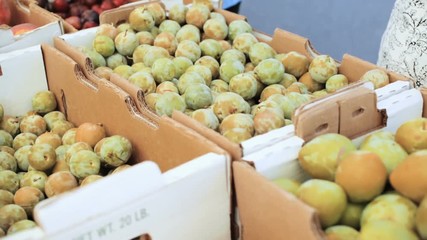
(424, 95)
(351, 111)
(284, 41)
(230, 16)
(143, 203)
(116, 110)
(233, 148)
(252, 190)
(16, 90)
(354, 68)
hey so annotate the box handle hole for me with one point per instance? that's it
(322, 128)
(358, 112)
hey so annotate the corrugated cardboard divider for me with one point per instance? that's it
(354, 68)
(351, 112)
(257, 198)
(167, 144)
(28, 11)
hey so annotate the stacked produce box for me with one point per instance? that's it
(179, 81)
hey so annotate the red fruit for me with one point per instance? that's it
(60, 6)
(5, 13)
(74, 21)
(22, 28)
(89, 24)
(97, 9)
(76, 9)
(107, 5)
(90, 2)
(118, 3)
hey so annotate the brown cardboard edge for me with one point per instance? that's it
(354, 68)
(234, 149)
(252, 189)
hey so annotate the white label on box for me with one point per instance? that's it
(44, 34)
(22, 75)
(179, 204)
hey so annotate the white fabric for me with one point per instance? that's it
(404, 43)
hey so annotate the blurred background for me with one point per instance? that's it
(334, 27)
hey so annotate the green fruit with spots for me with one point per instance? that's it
(270, 71)
(169, 102)
(52, 117)
(6, 138)
(6, 197)
(188, 32)
(205, 72)
(69, 137)
(287, 80)
(244, 41)
(169, 26)
(145, 37)
(322, 67)
(140, 19)
(271, 90)
(228, 103)
(268, 120)
(115, 151)
(189, 78)
(377, 76)
(33, 124)
(229, 69)
(177, 13)
(181, 65)
(9, 181)
(43, 102)
(42, 157)
(90, 179)
(126, 42)
(163, 70)
(123, 27)
(143, 80)
(215, 29)
(50, 138)
(21, 226)
(197, 15)
(244, 84)
(210, 63)
(352, 214)
(97, 59)
(11, 125)
(261, 51)
(116, 60)
(167, 41)
(108, 30)
(211, 47)
(219, 86)
(206, 117)
(153, 53)
(8, 162)
(233, 54)
(238, 27)
(76, 147)
(340, 232)
(151, 100)
(237, 135)
(198, 96)
(125, 71)
(386, 229)
(237, 120)
(167, 86)
(104, 45)
(336, 82)
(139, 53)
(289, 185)
(34, 179)
(84, 163)
(188, 49)
(10, 214)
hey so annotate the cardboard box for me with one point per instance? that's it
(179, 187)
(268, 212)
(27, 11)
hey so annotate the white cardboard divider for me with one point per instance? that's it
(392, 89)
(188, 202)
(82, 38)
(43, 34)
(22, 74)
(256, 143)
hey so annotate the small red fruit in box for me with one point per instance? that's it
(97, 9)
(118, 3)
(60, 6)
(89, 24)
(74, 21)
(5, 13)
(107, 5)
